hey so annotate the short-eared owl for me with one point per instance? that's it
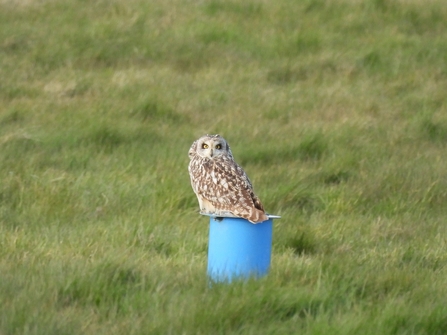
(220, 184)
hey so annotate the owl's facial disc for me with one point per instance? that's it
(211, 147)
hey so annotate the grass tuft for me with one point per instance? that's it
(286, 75)
(311, 147)
(302, 244)
(106, 285)
(434, 131)
(245, 9)
(336, 178)
(105, 138)
(151, 110)
(13, 117)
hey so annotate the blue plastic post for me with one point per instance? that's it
(238, 248)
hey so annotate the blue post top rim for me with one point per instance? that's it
(229, 215)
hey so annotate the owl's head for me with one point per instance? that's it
(210, 146)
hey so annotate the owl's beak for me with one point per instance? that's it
(211, 153)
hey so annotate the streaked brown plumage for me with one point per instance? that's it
(220, 183)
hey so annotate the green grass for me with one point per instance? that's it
(337, 110)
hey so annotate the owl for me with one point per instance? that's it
(220, 184)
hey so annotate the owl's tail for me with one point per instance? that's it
(255, 215)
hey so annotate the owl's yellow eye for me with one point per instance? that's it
(204, 146)
(219, 146)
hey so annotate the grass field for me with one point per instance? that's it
(337, 110)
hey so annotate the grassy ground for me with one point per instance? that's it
(337, 110)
